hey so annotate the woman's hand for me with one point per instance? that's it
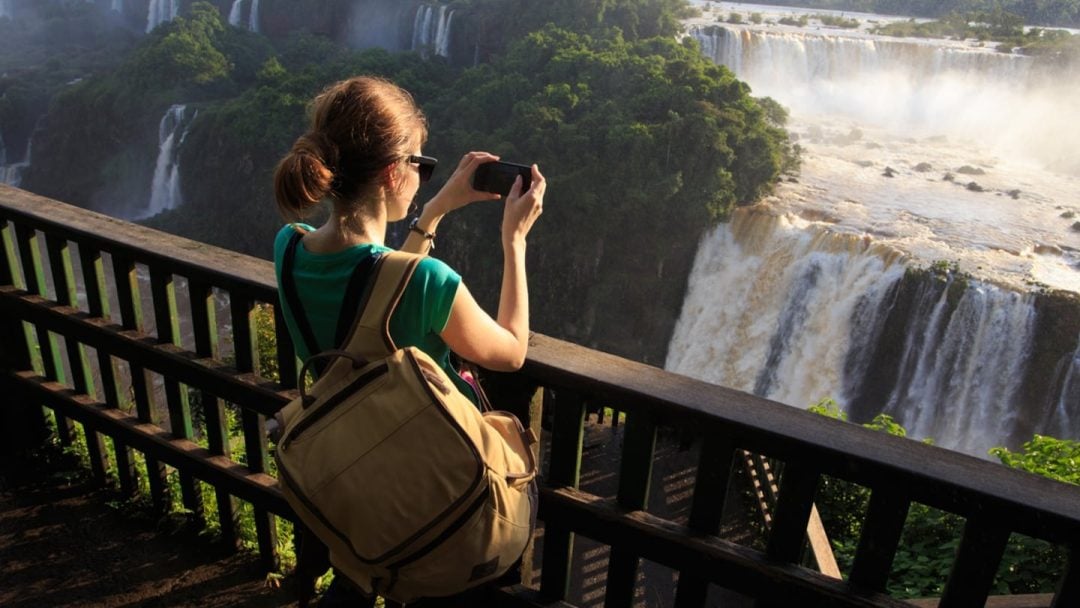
(521, 210)
(458, 190)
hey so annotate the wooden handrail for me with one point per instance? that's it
(995, 499)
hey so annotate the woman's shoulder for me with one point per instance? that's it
(435, 269)
(281, 240)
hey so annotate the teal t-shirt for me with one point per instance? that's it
(322, 280)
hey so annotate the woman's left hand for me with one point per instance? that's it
(458, 190)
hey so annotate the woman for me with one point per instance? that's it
(363, 154)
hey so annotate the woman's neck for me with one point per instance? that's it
(343, 231)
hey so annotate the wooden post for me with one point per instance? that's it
(564, 470)
(127, 291)
(707, 509)
(98, 304)
(635, 476)
(253, 424)
(79, 365)
(204, 324)
(23, 421)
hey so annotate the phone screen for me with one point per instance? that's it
(499, 177)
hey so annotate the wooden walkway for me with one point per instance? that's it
(65, 542)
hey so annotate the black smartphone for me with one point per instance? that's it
(498, 177)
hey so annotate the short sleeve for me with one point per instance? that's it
(425, 306)
(437, 285)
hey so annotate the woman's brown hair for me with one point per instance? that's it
(359, 127)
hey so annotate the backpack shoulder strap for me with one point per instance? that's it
(370, 336)
(292, 297)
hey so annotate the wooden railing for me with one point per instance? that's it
(71, 276)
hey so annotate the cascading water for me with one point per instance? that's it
(782, 327)
(117, 6)
(161, 11)
(795, 313)
(913, 152)
(1062, 418)
(960, 376)
(236, 13)
(431, 30)
(165, 188)
(918, 86)
(253, 18)
(6, 8)
(11, 174)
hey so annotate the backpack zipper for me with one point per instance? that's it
(445, 534)
(333, 401)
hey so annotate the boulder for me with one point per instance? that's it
(969, 170)
(924, 167)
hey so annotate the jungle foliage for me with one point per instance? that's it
(645, 142)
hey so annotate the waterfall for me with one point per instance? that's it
(788, 298)
(959, 378)
(6, 8)
(928, 87)
(253, 18)
(431, 30)
(161, 11)
(796, 313)
(235, 16)
(117, 6)
(11, 174)
(165, 188)
(1063, 418)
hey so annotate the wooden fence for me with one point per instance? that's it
(74, 338)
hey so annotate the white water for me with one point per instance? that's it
(782, 328)
(161, 11)
(960, 388)
(431, 30)
(236, 13)
(253, 18)
(165, 188)
(1062, 421)
(789, 300)
(117, 6)
(11, 174)
(6, 8)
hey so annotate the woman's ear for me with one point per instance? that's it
(390, 177)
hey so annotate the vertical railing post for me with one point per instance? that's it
(127, 291)
(166, 321)
(34, 277)
(81, 375)
(254, 426)
(23, 422)
(707, 508)
(564, 470)
(204, 324)
(977, 559)
(98, 304)
(635, 476)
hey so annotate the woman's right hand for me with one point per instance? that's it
(522, 209)
(458, 190)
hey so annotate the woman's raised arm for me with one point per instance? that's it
(501, 343)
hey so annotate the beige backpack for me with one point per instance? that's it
(415, 492)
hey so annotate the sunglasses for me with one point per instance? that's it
(426, 166)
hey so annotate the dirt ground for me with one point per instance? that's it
(64, 542)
